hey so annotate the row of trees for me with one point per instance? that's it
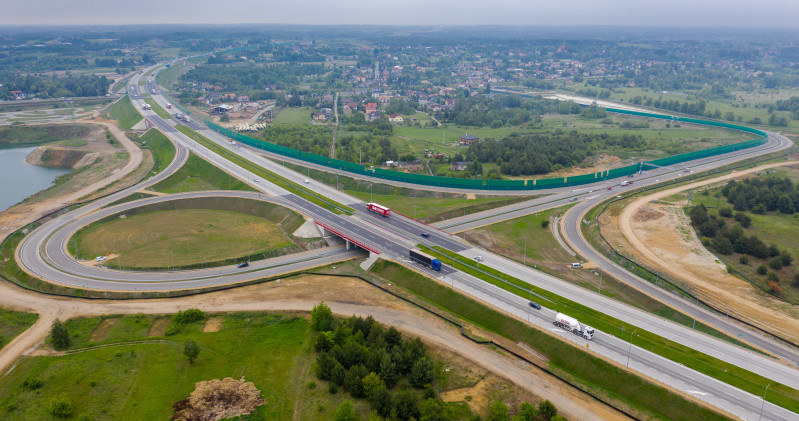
(243, 77)
(52, 86)
(761, 195)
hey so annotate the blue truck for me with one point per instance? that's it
(425, 259)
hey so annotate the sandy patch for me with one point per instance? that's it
(101, 331)
(159, 326)
(659, 235)
(213, 324)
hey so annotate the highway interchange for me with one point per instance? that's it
(43, 254)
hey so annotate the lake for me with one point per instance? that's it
(18, 179)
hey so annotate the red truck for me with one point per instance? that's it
(381, 210)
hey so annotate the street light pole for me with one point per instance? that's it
(763, 404)
(600, 279)
(524, 259)
(630, 349)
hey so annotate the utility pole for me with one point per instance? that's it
(524, 259)
(763, 404)
(600, 279)
(630, 349)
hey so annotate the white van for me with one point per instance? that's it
(576, 265)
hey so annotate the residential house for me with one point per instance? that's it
(395, 118)
(468, 139)
(459, 165)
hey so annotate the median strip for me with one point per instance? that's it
(280, 181)
(783, 395)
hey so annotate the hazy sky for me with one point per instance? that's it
(711, 13)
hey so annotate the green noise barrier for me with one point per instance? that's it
(510, 185)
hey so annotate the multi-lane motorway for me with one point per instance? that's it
(43, 254)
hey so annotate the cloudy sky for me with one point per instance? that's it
(709, 13)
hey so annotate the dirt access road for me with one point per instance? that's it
(301, 294)
(661, 237)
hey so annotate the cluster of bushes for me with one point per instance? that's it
(393, 373)
(182, 318)
(761, 195)
(727, 237)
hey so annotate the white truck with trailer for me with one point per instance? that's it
(572, 325)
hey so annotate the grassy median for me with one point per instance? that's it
(731, 374)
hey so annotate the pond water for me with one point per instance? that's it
(18, 179)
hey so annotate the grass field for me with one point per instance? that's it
(190, 236)
(12, 323)
(196, 175)
(141, 382)
(15, 136)
(429, 206)
(167, 77)
(597, 374)
(163, 150)
(301, 115)
(125, 113)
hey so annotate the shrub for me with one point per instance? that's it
(189, 316)
(59, 335)
(773, 277)
(61, 407)
(345, 412)
(744, 260)
(786, 258)
(545, 223)
(725, 211)
(332, 389)
(311, 385)
(32, 383)
(775, 263)
(774, 288)
(762, 270)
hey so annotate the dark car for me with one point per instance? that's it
(535, 305)
(426, 234)
(244, 264)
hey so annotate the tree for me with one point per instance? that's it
(786, 258)
(406, 404)
(498, 411)
(338, 374)
(59, 335)
(775, 263)
(371, 383)
(345, 411)
(191, 350)
(421, 373)
(61, 407)
(527, 412)
(547, 410)
(321, 318)
(432, 410)
(762, 270)
(382, 401)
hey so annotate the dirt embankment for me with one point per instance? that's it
(61, 157)
(660, 236)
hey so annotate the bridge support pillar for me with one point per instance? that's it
(348, 244)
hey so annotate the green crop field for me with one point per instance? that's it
(125, 113)
(190, 236)
(12, 323)
(197, 174)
